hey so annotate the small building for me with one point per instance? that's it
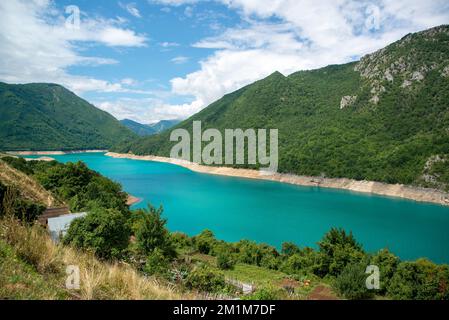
(58, 226)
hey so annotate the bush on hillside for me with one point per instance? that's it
(420, 280)
(351, 283)
(151, 232)
(305, 261)
(387, 263)
(11, 203)
(205, 242)
(225, 260)
(206, 279)
(105, 231)
(157, 263)
(337, 250)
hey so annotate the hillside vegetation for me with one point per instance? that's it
(384, 118)
(28, 187)
(49, 117)
(130, 254)
(148, 129)
(33, 267)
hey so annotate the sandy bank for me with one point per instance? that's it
(378, 188)
(132, 200)
(51, 153)
(45, 159)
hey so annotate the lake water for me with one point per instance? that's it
(272, 212)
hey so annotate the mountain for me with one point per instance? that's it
(384, 118)
(50, 117)
(138, 128)
(164, 125)
(149, 129)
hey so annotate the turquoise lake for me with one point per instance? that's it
(272, 212)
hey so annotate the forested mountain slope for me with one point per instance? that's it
(50, 117)
(384, 118)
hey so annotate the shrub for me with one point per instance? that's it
(420, 280)
(265, 294)
(225, 261)
(11, 203)
(250, 252)
(181, 240)
(351, 283)
(303, 262)
(289, 249)
(387, 263)
(157, 263)
(337, 250)
(105, 231)
(28, 211)
(205, 242)
(206, 279)
(152, 234)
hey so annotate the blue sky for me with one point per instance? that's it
(150, 60)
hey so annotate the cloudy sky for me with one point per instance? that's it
(149, 60)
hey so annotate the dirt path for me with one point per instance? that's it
(322, 293)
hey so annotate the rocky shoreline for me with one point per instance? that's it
(378, 188)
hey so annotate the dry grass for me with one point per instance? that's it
(28, 187)
(98, 280)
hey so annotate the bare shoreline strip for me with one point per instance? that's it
(51, 153)
(378, 188)
(131, 200)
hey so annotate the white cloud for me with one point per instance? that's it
(131, 8)
(169, 44)
(308, 34)
(180, 60)
(175, 3)
(188, 12)
(128, 82)
(147, 110)
(36, 46)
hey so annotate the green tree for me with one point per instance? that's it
(351, 283)
(289, 249)
(205, 241)
(387, 263)
(338, 249)
(157, 263)
(152, 233)
(225, 260)
(206, 279)
(303, 262)
(105, 231)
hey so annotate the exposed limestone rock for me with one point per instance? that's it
(430, 177)
(417, 76)
(445, 72)
(375, 99)
(389, 76)
(347, 101)
(407, 83)
(380, 69)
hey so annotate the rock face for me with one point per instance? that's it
(402, 62)
(432, 177)
(347, 101)
(445, 72)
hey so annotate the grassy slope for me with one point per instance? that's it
(29, 188)
(33, 267)
(390, 141)
(49, 117)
